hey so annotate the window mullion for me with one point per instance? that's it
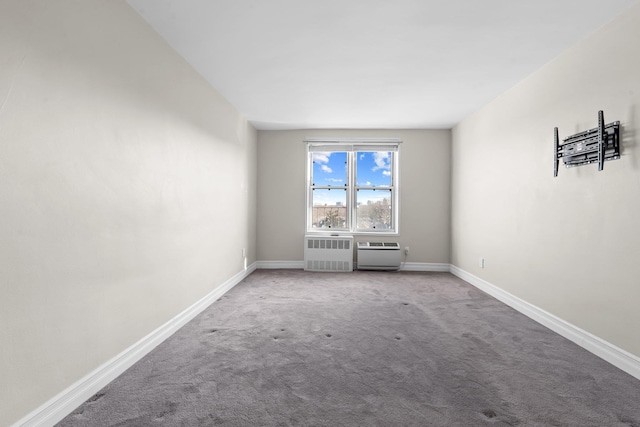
(352, 188)
(310, 186)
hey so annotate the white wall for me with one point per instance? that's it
(569, 245)
(127, 191)
(425, 168)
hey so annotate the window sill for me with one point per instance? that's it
(349, 233)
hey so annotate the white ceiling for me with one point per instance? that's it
(288, 64)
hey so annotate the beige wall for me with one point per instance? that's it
(425, 162)
(127, 191)
(569, 245)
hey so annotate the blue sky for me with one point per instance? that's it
(373, 169)
(330, 169)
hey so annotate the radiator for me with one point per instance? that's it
(334, 253)
(378, 256)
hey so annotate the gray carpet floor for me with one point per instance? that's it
(293, 348)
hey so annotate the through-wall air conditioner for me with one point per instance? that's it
(331, 253)
(378, 256)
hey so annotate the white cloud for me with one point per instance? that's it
(386, 173)
(381, 159)
(321, 157)
(326, 169)
(333, 179)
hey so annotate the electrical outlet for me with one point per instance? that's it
(481, 262)
(406, 250)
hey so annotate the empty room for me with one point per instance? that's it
(336, 213)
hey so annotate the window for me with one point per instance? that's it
(352, 186)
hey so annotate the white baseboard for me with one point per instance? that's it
(424, 266)
(276, 265)
(601, 348)
(406, 266)
(65, 402)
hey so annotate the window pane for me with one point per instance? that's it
(329, 169)
(329, 209)
(373, 168)
(374, 211)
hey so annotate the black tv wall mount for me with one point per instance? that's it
(595, 145)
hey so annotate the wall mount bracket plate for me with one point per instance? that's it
(595, 145)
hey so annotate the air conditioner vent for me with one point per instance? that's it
(378, 245)
(379, 256)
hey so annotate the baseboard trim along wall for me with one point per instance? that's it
(424, 266)
(601, 348)
(405, 266)
(277, 265)
(64, 403)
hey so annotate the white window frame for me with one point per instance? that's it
(351, 147)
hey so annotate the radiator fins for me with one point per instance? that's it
(328, 253)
